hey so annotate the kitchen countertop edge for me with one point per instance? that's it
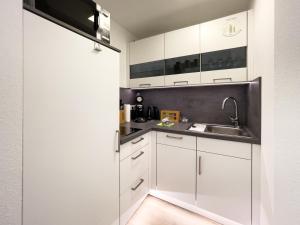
(182, 129)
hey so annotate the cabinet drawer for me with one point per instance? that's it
(132, 167)
(147, 82)
(182, 79)
(130, 147)
(223, 76)
(227, 148)
(178, 140)
(135, 192)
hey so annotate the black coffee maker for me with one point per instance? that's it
(139, 110)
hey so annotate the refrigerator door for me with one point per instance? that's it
(71, 102)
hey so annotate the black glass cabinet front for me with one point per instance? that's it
(149, 69)
(224, 59)
(184, 64)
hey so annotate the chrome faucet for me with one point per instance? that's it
(235, 119)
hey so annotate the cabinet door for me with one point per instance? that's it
(224, 33)
(176, 172)
(182, 42)
(147, 50)
(150, 74)
(71, 174)
(224, 186)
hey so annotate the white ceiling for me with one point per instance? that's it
(144, 18)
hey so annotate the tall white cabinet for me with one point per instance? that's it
(71, 172)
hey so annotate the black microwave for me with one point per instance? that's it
(84, 15)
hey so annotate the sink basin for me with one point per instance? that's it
(226, 130)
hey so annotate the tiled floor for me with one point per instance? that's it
(154, 211)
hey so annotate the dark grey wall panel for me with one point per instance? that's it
(199, 104)
(224, 59)
(185, 64)
(149, 69)
(254, 107)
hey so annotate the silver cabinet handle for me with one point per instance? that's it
(139, 184)
(139, 155)
(97, 47)
(145, 85)
(180, 82)
(118, 139)
(224, 79)
(199, 169)
(173, 137)
(135, 142)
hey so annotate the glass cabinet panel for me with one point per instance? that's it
(150, 69)
(224, 59)
(184, 64)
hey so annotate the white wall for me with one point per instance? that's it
(263, 65)
(120, 39)
(287, 112)
(11, 112)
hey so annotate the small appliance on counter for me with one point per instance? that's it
(149, 113)
(156, 113)
(139, 110)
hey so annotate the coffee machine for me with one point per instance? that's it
(139, 110)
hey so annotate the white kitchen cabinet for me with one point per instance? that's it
(224, 33)
(224, 180)
(146, 62)
(184, 79)
(176, 174)
(224, 76)
(134, 175)
(147, 50)
(147, 82)
(179, 46)
(182, 42)
(71, 167)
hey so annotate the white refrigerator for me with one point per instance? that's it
(71, 100)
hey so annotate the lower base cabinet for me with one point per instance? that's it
(224, 186)
(134, 176)
(176, 172)
(207, 176)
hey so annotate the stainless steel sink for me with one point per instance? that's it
(226, 130)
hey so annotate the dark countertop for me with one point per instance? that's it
(181, 128)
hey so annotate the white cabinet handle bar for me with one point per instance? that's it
(178, 138)
(139, 184)
(135, 142)
(139, 155)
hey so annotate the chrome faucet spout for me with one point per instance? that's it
(235, 119)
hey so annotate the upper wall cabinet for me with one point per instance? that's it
(182, 62)
(147, 50)
(147, 67)
(182, 42)
(224, 33)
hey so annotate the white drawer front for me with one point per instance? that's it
(228, 148)
(130, 147)
(147, 82)
(178, 140)
(135, 192)
(223, 76)
(133, 167)
(182, 79)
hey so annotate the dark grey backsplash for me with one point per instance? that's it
(254, 107)
(203, 104)
(198, 104)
